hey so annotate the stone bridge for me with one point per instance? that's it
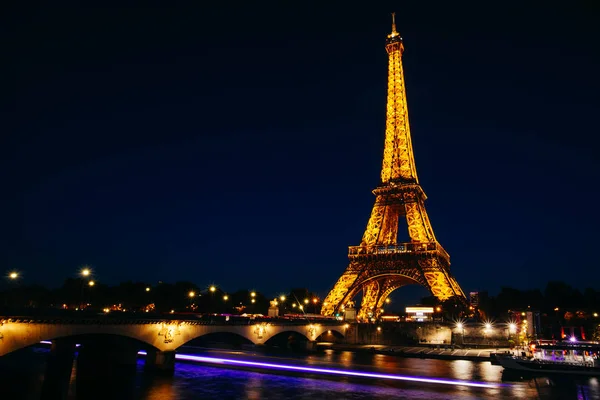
(109, 346)
(164, 335)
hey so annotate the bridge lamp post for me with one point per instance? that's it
(315, 301)
(461, 328)
(12, 278)
(85, 273)
(512, 329)
(191, 295)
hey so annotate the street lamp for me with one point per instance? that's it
(212, 289)
(91, 283)
(282, 298)
(13, 275)
(85, 273)
(148, 289)
(191, 294)
(225, 297)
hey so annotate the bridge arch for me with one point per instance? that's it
(166, 335)
(376, 289)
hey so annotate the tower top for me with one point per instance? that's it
(394, 31)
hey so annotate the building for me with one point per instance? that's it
(419, 314)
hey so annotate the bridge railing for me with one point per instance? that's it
(199, 320)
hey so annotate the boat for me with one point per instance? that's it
(563, 358)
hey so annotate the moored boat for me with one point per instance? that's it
(564, 358)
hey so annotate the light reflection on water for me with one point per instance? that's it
(209, 382)
(193, 381)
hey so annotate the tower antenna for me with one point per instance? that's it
(394, 31)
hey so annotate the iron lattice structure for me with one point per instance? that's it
(380, 264)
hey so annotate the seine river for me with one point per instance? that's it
(21, 377)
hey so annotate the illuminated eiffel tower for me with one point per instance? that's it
(380, 264)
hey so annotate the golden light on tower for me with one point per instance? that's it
(381, 264)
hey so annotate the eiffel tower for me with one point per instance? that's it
(380, 264)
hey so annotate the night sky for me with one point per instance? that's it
(238, 144)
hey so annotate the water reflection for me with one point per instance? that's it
(253, 388)
(462, 369)
(25, 373)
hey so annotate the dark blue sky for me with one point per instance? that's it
(239, 144)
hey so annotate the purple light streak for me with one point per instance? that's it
(326, 371)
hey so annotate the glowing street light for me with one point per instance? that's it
(86, 272)
(488, 326)
(147, 289)
(387, 301)
(191, 294)
(91, 283)
(282, 298)
(512, 327)
(305, 301)
(253, 301)
(225, 297)
(13, 275)
(252, 294)
(212, 288)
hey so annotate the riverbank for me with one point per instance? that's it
(434, 352)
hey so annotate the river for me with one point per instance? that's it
(21, 377)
